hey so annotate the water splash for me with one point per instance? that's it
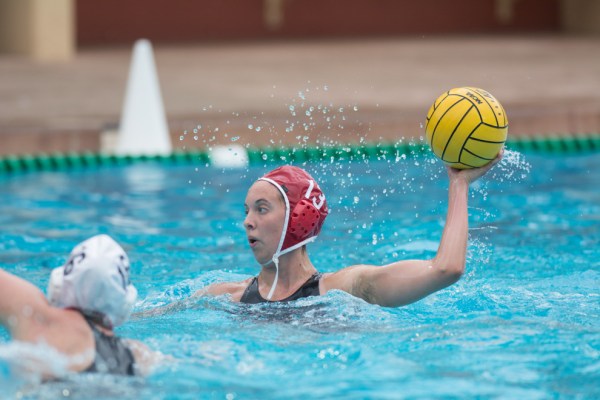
(30, 363)
(513, 167)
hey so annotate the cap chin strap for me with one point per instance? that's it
(275, 260)
(274, 285)
(278, 252)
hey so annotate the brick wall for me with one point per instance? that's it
(121, 22)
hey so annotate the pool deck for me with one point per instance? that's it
(364, 90)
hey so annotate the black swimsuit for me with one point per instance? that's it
(112, 354)
(310, 288)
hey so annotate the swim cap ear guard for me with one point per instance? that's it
(95, 281)
(305, 210)
(305, 221)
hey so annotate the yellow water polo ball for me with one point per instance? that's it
(466, 127)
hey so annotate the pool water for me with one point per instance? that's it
(523, 322)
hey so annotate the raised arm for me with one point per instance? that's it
(407, 281)
(21, 304)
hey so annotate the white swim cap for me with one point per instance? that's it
(95, 280)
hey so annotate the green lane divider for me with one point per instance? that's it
(555, 144)
(11, 164)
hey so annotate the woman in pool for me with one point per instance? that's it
(285, 210)
(87, 297)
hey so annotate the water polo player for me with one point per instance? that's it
(285, 210)
(87, 298)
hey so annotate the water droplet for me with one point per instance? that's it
(235, 138)
(250, 126)
(374, 237)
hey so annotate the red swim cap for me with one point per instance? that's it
(306, 207)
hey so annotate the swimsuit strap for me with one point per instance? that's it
(112, 354)
(309, 288)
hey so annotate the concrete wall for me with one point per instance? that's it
(15, 34)
(581, 16)
(41, 29)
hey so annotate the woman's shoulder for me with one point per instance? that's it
(67, 332)
(344, 279)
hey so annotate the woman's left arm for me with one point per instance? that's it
(21, 304)
(404, 282)
(407, 281)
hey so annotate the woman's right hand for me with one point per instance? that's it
(472, 174)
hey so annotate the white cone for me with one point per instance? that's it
(143, 129)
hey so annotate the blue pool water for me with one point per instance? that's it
(524, 321)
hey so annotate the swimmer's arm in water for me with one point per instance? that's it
(235, 289)
(22, 305)
(405, 282)
(162, 310)
(177, 305)
(145, 359)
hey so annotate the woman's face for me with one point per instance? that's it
(265, 214)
